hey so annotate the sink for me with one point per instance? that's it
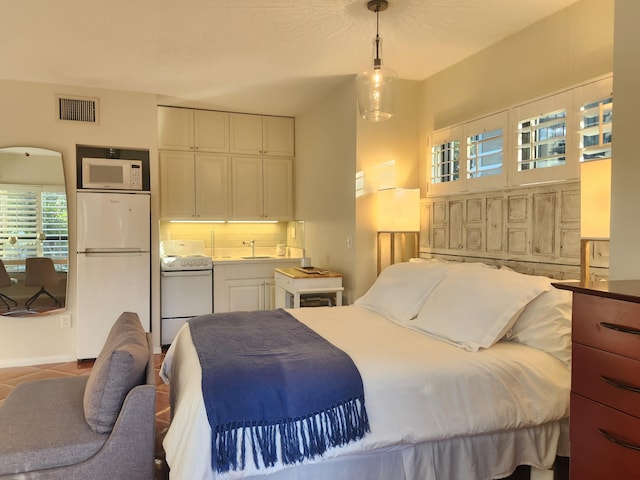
(257, 256)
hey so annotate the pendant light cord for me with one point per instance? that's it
(376, 61)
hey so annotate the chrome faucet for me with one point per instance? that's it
(251, 244)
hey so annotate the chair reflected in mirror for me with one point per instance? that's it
(6, 281)
(40, 272)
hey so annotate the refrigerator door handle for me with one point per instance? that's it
(111, 253)
(90, 251)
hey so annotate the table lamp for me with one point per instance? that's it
(398, 215)
(595, 208)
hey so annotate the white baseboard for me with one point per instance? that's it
(26, 362)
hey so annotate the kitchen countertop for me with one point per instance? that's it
(257, 259)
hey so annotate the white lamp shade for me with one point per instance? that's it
(398, 210)
(595, 199)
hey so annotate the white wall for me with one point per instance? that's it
(324, 181)
(625, 167)
(29, 118)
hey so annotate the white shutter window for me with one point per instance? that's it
(55, 235)
(595, 129)
(18, 222)
(484, 154)
(542, 141)
(445, 162)
(32, 223)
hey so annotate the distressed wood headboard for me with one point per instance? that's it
(533, 229)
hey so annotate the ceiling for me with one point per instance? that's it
(260, 56)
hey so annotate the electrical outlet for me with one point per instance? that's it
(65, 321)
(349, 242)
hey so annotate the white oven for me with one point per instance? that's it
(186, 286)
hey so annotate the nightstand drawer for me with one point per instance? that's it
(607, 378)
(603, 441)
(607, 324)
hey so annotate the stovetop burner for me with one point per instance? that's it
(183, 255)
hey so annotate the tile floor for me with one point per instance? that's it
(11, 377)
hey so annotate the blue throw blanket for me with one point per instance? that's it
(274, 388)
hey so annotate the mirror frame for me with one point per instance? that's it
(43, 176)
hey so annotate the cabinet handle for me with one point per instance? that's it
(617, 384)
(620, 328)
(617, 441)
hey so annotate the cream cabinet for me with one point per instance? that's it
(261, 135)
(262, 188)
(248, 295)
(193, 130)
(246, 285)
(194, 186)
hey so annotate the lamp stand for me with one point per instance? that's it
(392, 246)
(585, 257)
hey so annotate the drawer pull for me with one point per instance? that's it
(620, 328)
(617, 441)
(617, 384)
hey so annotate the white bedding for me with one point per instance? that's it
(417, 390)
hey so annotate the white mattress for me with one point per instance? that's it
(423, 397)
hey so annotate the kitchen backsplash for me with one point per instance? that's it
(225, 239)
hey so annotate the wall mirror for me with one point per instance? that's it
(33, 224)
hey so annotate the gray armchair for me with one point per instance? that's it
(100, 426)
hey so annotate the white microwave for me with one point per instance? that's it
(112, 174)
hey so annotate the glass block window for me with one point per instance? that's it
(542, 141)
(595, 129)
(445, 162)
(484, 154)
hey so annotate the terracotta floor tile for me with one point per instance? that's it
(37, 375)
(74, 368)
(15, 372)
(4, 391)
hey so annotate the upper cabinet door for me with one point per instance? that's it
(212, 186)
(175, 128)
(246, 188)
(278, 136)
(177, 174)
(246, 133)
(277, 178)
(211, 131)
(262, 135)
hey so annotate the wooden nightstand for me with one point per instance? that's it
(291, 283)
(605, 380)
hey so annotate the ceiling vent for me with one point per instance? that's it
(77, 109)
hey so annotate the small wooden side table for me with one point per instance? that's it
(291, 283)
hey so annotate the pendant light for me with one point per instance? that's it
(377, 86)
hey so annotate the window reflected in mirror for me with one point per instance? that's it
(33, 223)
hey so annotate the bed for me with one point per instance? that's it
(465, 370)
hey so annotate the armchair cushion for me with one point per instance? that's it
(43, 427)
(120, 366)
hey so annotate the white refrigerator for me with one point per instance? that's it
(113, 264)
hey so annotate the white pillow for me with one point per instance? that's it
(473, 307)
(401, 289)
(545, 324)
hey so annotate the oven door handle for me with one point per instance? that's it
(186, 273)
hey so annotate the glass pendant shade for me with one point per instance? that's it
(376, 88)
(376, 93)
